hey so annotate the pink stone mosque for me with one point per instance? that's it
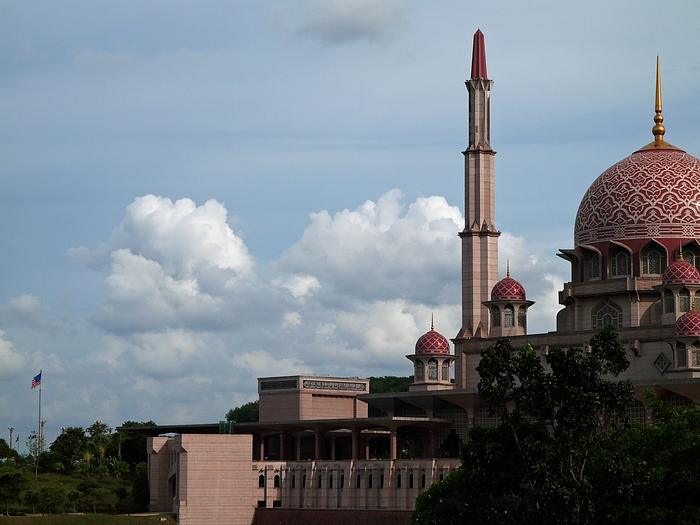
(327, 450)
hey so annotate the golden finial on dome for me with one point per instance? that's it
(507, 268)
(432, 322)
(658, 130)
(680, 258)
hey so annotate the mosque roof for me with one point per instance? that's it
(432, 342)
(681, 272)
(688, 325)
(653, 193)
(508, 289)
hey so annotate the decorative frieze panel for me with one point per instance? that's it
(334, 385)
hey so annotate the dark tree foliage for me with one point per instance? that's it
(141, 495)
(132, 444)
(68, 446)
(5, 450)
(536, 466)
(380, 385)
(13, 481)
(248, 413)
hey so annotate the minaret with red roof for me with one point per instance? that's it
(480, 236)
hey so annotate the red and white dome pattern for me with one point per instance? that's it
(653, 193)
(432, 343)
(681, 272)
(688, 325)
(508, 289)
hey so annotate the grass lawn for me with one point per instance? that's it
(90, 519)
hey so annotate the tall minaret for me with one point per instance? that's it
(480, 237)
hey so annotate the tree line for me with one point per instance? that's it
(94, 455)
(565, 451)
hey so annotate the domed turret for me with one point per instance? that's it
(688, 325)
(432, 362)
(508, 289)
(680, 272)
(508, 307)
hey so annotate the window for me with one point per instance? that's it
(696, 356)
(420, 371)
(681, 355)
(381, 481)
(653, 261)
(508, 316)
(398, 481)
(684, 300)
(495, 316)
(594, 266)
(692, 256)
(359, 481)
(605, 314)
(669, 306)
(276, 482)
(342, 481)
(320, 481)
(422, 481)
(620, 263)
(303, 481)
(432, 370)
(445, 370)
(410, 481)
(294, 480)
(522, 316)
(369, 481)
(330, 481)
(261, 481)
(442, 476)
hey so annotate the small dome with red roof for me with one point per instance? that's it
(508, 289)
(688, 325)
(432, 343)
(681, 272)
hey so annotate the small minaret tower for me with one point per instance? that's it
(480, 236)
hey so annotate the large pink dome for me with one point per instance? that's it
(508, 289)
(650, 194)
(680, 272)
(688, 325)
(432, 343)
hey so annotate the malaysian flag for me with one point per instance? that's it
(36, 380)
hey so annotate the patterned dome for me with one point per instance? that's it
(651, 193)
(432, 343)
(508, 289)
(681, 272)
(688, 325)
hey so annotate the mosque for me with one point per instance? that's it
(327, 450)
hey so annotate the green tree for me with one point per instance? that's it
(102, 472)
(32, 499)
(5, 450)
(83, 468)
(535, 467)
(246, 413)
(74, 496)
(132, 446)
(13, 481)
(51, 499)
(98, 428)
(95, 497)
(120, 469)
(68, 446)
(380, 385)
(59, 467)
(141, 495)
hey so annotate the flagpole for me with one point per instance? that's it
(38, 448)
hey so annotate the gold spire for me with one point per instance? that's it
(432, 322)
(681, 250)
(658, 130)
(507, 268)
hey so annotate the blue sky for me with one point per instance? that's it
(194, 194)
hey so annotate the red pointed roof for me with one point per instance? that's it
(432, 343)
(680, 272)
(508, 289)
(479, 56)
(688, 325)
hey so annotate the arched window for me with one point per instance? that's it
(432, 370)
(381, 481)
(669, 302)
(522, 316)
(398, 481)
(369, 481)
(303, 481)
(495, 316)
(684, 300)
(420, 371)
(276, 482)
(294, 480)
(594, 266)
(508, 316)
(320, 481)
(681, 355)
(605, 314)
(359, 481)
(410, 481)
(445, 370)
(342, 481)
(330, 481)
(442, 476)
(692, 256)
(422, 481)
(620, 263)
(261, 481)
(653, 261)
